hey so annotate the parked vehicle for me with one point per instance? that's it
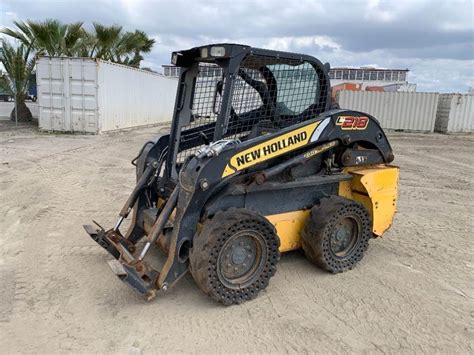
(32, 93)
(5, 95)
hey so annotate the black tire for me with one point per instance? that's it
(234, 256)
(337, 234)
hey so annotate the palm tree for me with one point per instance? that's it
(49, 37)
(53, 38)
(18, 67)
(23, 34)
(111, 43)
(56, 39)
(84, 45)
(141, 44)
(106, 41)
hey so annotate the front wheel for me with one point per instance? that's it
(234, 256)
(337, 234)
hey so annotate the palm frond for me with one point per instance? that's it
(18, 67)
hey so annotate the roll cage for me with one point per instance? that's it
(231, 91)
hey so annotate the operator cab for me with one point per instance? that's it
(232, 91)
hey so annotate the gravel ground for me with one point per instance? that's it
(412, 293)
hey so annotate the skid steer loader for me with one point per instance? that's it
(256, 164)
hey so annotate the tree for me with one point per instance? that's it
(18, 67)
(49, 37)
(53, 38)
(111, 43)
(143, 44)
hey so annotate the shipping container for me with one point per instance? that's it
(455, 113)
(374, 88)
(345, 86)
(92, 96)
(407, 87)
(411, 111)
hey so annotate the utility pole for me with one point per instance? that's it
(16, 111)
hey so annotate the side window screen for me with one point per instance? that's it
(279, 91)
(297, 87)
(244, 97)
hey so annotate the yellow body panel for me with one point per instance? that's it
(376, 187)
(289, 226)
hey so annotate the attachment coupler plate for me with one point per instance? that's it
(137, 274)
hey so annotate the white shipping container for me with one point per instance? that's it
(455, 113)
(411, 111)
(406, 87)
(93, 96)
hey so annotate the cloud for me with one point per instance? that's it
(432, 38)
(303, 42)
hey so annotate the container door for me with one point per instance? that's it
(82, 95)
(67, 94)
(49, 79)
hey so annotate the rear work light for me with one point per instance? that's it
(217, 51)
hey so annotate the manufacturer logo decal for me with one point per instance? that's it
(352, 122)
(270, 149)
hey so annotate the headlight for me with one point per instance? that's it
(217, 51)
(203, 52)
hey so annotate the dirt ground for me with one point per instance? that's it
(413, 291)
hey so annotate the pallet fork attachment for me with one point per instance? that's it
(132, 270)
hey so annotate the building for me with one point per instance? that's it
(368, 76)
(365, 78)
(204, 68)
(171, 70)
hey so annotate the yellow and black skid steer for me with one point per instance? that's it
(256, 164)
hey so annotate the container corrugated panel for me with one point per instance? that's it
(131, 97)
(455, 113)
(395, 110)
(91, 96)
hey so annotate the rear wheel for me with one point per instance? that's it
(337, 234)
(234, 256)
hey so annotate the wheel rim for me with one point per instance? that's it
(241, 259)
(344, 236)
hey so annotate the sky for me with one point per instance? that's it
(434, 39)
